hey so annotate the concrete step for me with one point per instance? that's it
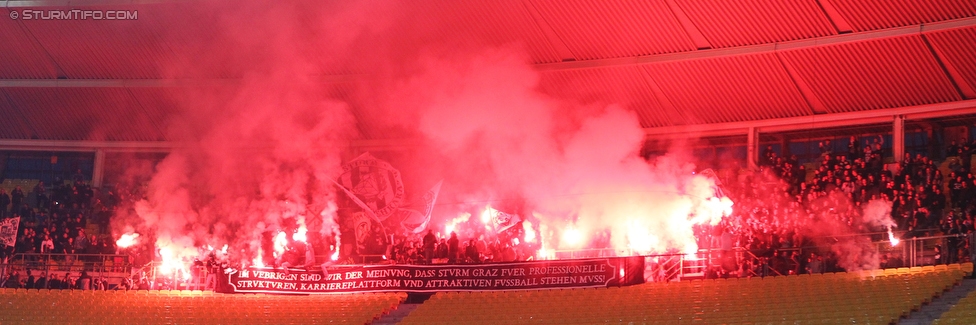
(396, 315)
(932, 311)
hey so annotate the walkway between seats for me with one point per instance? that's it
(930, 312)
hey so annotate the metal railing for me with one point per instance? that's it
(192, 277)
(589, 253)
(909, 252)
(73, 262)
(111, 267)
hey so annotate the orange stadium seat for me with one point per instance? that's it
(188, 307)
(856, 297)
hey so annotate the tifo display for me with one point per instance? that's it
(588, 273)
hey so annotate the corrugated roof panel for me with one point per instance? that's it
(745, 22)
(159, 105)
(959, 48)
(729, 89)
(473, 25)
(879, 14)
(187, 37)
(83, 114)
(612, 29)
(885, 73)
(44, 109)
(624, 86)
(20, 57)
(100, 49)
(12, 126)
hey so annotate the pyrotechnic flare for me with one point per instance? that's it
(126, 240)
(172, 265)
(335, 255)
(451, 226)
(280, 243)
(572, 237)
(529, 232)
(487, 214)
(258, 261)
(891, 238)
(878, 213)
(640, 240)
(300, 233)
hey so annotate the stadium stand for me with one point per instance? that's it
(880, 296)
(183, 307)
(963, 312)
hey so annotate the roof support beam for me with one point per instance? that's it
(816, 106)
(554, 40)
(115, 83)
(87, 146)
(694, 34)
(940, 110)
(146, 83)
(672, 112)
(762, 48)
(835, 17)
(955, 76)
(753, 128)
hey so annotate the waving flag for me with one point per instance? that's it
(710, 174)
(8, 231)
(374, 184)
(411, 222)
(369, 212)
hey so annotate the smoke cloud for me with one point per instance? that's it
(498, 136)
(259, 153)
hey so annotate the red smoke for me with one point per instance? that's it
(258, 153)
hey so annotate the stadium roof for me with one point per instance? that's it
(684, 66)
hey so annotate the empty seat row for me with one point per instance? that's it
(189, 307)
(880, 296)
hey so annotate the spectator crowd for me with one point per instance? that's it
(57, 225)
(781, 214)
(782, 210)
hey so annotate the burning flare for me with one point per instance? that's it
(300, 233)
(452, 225)
(891, 238)
(487, 214)
(529, 231)
(335, 255)
(258, 261)
(572, 237)
(280, 243)
(126, 240)
(172, 265)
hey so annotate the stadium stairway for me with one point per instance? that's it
(396, 315)
(404, 309)
(939, 306)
